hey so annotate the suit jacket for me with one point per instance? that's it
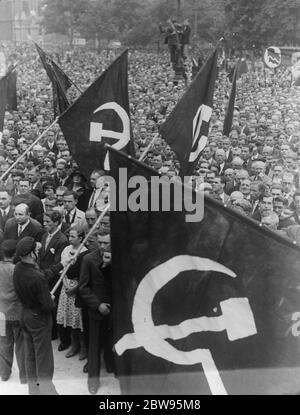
(34, 229)
(54, 149)
(94, 288)
(9, 215)
(49, 258)
(38, 190)
(230, 187)
(226, 166)
(78, 218)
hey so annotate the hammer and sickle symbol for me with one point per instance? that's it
(237, 319)
(97, 132)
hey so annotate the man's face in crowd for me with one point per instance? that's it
(61, 170)
(59, 197)
(103, 243)
(228, 174)
(21, 214)
(287, 183)
(259, 168)
(269, 141)
(32, 175)
(24, 186)
(93, 179)
(65, 154)
(245, 187)
(210, 177)
(69, 202)
(245, 153)
(254, 191)
(220, 156)
(14, 154)
(157, 162)
(60, 143)
(217, 186)
(276, 192)
(284, 149)
(50, 136)
(49, 225)
(278, 171)
(49, 204)
(278, 207)
(203, 168)
(266, 205)
(91, 218)
(105, 225)
(5, 200)
(206, 154)
(226, 144)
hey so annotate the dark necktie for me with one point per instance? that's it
(68, 218)
(4, 216)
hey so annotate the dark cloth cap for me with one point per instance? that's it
(25, 246)
(9, 245)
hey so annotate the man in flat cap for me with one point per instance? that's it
(32, 289)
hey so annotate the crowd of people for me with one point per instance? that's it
(47, 206)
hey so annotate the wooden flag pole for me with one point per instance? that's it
(148, 147)
(28, 149)
(91, 231)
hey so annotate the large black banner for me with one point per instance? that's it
(100, 116)
(206, 307)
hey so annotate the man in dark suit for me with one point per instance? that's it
(52, 244)
(50, 144)
(6, 210)
(220, 160)
(265, 206)
(62, 177)
(34, 202)
(95, 290)
(35, 182)
(22, 225)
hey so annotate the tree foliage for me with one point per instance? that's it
(136, 22)
(263, 21)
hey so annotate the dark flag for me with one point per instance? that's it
(3, 100)
(12, 89)
(100, 116)
(59, 80)
(186, 128)
(205, 307)
(230, 107)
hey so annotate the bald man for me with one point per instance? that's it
(22, 225)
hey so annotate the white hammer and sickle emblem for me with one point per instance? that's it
(237, 319)
(97, 132)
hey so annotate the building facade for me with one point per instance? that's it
(19, 19)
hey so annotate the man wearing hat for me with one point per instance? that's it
(32, 289)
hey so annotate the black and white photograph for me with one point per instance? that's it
(149, 200)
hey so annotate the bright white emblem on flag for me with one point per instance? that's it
(97, 132)
(237, 319)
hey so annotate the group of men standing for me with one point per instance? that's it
(32, 263)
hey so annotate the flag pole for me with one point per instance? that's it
(28, 149)
(91, 231)
(94, 227)
(148, 147)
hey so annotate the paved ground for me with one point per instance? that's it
(68, 378)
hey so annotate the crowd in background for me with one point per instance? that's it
(254, 170)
